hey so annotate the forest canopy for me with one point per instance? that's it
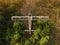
(11, 32)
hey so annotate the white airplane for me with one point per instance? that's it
(29, 18)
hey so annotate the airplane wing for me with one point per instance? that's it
(19, 18)
(40, 17)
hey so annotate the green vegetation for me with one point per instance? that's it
(41, 35)
(12, 33)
